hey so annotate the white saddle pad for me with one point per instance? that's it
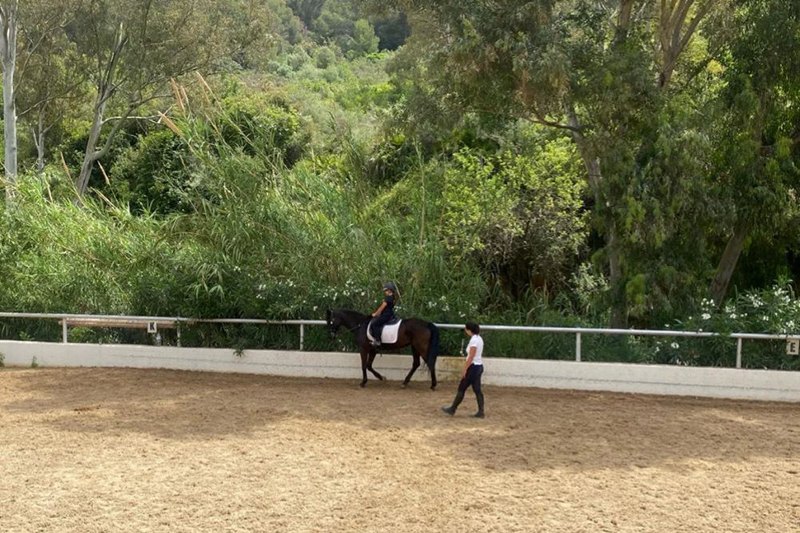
(389, 333)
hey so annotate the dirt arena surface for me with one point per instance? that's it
(91, 450)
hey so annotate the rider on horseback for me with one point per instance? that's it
(384, 313)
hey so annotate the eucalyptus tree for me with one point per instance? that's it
(134, 48)
(758, 143)
(51, 79)
(26, 28)
(604, 72)
(9, 18)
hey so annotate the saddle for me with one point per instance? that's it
(389, 332)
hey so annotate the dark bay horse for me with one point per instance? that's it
(422, 336)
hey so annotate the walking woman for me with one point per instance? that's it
(473, 370)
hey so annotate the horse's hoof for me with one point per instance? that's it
(363, 384)
(403, 385)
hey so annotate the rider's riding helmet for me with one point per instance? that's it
(390, 286)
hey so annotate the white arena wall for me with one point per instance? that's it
(767, 385)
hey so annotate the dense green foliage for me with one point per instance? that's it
(555, 163)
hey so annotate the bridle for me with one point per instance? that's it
(351, 330)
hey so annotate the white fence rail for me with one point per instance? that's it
(67, 320)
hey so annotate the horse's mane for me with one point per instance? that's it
(353, 315)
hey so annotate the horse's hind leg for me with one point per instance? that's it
(372, 354)
(414, 366)
(364, 355)
(431, 368)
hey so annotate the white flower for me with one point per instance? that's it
(674, 346)
(733, 316)
(706, 316)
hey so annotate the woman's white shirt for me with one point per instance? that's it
(477, 342)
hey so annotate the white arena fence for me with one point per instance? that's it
(736, 383)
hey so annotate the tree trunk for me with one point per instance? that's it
(38, 139)
(91, 154)
(619, 311)
(8, 48)
(727, 263)
(40, 151)
(9, 125)
(105, 89)
(619, 304)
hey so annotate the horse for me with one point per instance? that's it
(422, 336)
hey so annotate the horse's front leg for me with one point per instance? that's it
(372, 354)
(364, 355)
(414, 366)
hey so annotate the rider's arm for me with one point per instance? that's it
(380, 309)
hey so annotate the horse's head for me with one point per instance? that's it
(334, 321)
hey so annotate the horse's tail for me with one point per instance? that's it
(433, 346)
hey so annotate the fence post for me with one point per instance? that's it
(302, 336)
(64, 334)
(178, 333)
(578, 346)
(739, 352)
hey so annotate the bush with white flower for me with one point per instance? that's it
(775, 310)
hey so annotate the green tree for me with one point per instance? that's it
(51, 75)
(364, 41)
(307, 10)
(134, 49)
(759, 139)
(603, 72)
(9, 21)
(342, 22)
(518, 215)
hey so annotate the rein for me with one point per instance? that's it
(357, 326)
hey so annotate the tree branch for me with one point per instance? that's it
(133, 117)
(98, 154)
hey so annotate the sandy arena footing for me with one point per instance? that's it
(95, 450)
